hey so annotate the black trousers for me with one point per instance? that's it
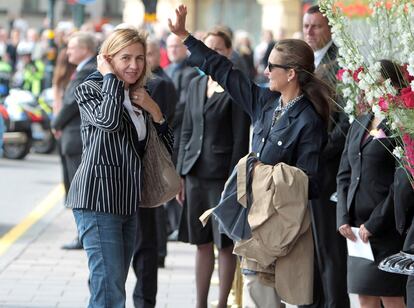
(151, 234)
(330, 270)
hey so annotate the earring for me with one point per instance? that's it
(288, 79)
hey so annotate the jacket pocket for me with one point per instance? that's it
(107, 171)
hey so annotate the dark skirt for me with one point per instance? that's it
(201, 195)
(365, 278)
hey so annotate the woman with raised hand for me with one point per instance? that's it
(290, 117)
(106, 191)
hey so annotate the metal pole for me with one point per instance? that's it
(51, 52)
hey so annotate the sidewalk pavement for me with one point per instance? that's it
(35, 272)
(40, 274)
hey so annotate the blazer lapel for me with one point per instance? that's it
(363, 130)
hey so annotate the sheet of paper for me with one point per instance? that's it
(359, 248)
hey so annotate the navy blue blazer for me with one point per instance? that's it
(296, 139)
(109, 176)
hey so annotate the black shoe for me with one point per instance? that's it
(75, 244)
(161, 262)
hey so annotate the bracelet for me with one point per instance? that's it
(161, 122)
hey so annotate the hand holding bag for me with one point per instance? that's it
(160, 180)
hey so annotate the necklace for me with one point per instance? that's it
(279, 110)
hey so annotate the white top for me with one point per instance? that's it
(136, 116)
(319, 54)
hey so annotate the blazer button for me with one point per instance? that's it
(357, 178)
(198, 152)
(279, 143)
(258, 154)
(359, 154)
(263, 140)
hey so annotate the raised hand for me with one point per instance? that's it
(103, 65)
(141, 99)
(178, 28)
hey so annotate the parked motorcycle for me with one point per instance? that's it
(29, 124)
(43, 140)
(18, 135)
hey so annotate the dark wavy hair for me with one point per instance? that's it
(298, 55)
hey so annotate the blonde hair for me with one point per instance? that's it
(124, 37)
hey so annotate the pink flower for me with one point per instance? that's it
(407, 96)
(409, 153)
(355, 73)
(340, 74)
(383, 104)
(405, 73)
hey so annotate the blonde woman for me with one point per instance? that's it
(105, 192)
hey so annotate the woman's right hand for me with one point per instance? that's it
(181, 194)
(178, 28)
(346, 231)
(103, 65)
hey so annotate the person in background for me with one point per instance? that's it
(290, 117)
(81, 52)
(151, 247)
(33, 71)
(243, 46)
(181, 74)
(105, 193)
(214, 136)
(330, 288)
(364, 183)
(62, 75)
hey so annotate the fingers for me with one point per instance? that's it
(364, 234)
(346, 231)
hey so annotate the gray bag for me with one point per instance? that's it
(160, 180)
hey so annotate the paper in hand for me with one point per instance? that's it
(359, 248)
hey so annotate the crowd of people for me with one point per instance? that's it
(202, 93)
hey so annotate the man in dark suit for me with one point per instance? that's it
(81, 51)
(181, 74)
(330, 287)
(152, 223)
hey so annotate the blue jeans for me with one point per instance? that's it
(109, 242)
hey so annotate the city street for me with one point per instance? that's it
(35, 272)
(23, 184)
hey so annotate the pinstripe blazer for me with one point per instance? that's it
(109, 176)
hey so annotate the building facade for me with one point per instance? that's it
(249, 15)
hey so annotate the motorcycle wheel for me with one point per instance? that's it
(17, 150)
(46, 145)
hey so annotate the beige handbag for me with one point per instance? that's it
(160, 180)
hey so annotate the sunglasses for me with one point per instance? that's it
(272, 66)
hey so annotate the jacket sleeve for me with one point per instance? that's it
(165, 133)
(343, 180)
(164, 94)
(337, 136)
(311, 141)
(102, 109)
(65, 115)
(382, 217)
(244, 92)
(186, 131)
(241, 126)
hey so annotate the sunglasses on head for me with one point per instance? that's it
(272, 66)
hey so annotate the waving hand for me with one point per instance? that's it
(178, 28)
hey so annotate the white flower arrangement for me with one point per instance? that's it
(388, 34)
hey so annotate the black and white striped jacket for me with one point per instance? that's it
(109, 176)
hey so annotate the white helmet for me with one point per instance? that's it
(25, 48)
